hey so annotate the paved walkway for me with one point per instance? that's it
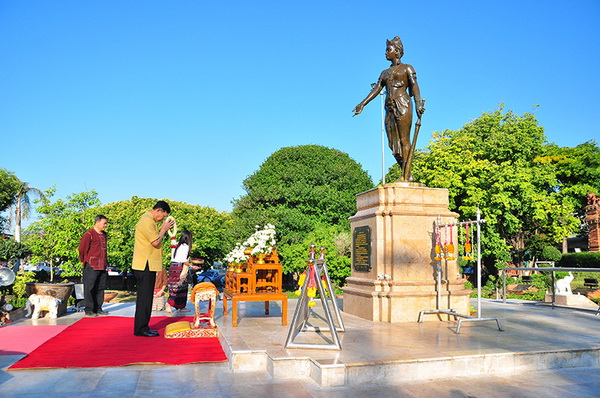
(534, 330)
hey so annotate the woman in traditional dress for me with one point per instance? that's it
(400, 82)
(158, 300)
(178, 271)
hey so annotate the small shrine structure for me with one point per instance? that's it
(592, 218)
(258, 279)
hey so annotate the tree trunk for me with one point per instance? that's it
(517, 241)
(18, 220)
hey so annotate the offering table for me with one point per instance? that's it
(257, 280)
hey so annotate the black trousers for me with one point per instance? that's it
(94, 283)
(143, 304)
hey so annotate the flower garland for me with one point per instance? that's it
(450, 248)
(172, 232)
(438, 244)
(468, 246)
(311, 287)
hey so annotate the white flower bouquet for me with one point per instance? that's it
(237, 255)
(261, 241)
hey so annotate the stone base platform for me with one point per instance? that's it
(574, 300)
(375, 352)
(536, 337)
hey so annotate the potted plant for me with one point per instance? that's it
(61, 291)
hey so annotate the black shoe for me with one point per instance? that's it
(90, 313)
(147, 333)
(100, 312)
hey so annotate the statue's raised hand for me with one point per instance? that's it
(358, 109)
(421, 107)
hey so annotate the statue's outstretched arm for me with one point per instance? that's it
(374, 92)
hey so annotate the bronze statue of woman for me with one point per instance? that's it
(397, 79)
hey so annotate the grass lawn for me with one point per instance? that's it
(124, 296)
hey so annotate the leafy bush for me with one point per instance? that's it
(560, 275)
(534, 296)
(337, 253)
(10, 250)
(580, 260)
(71, 268)
(493, 283)
(18, 302)
(22, 277)
(551, 253)
(540, 281)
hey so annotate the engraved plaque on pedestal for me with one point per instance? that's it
(361, 249)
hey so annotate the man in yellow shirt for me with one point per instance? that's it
(147, 260)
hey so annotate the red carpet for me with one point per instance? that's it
(21, 340)
(109, 341)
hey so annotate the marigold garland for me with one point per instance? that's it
(438, 245)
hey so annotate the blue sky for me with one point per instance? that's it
(184, 99)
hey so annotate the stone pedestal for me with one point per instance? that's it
(400, 220)
(575, 300)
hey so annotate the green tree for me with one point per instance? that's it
(10, 250)
(495, 163)
(22, 205)
(298, 189)
(211, 229)
(335, 240)
(56, 235)
(577, 170)
(9, 187)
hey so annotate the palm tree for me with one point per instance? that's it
(22, 206)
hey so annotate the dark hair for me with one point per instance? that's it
(99, 217)
(186, 237)
(161, 204)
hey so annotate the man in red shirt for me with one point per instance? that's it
(92, 254)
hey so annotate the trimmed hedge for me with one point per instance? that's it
(551, 253)
(580, 260)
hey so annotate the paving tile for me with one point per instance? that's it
(79, 381)
(528, 328)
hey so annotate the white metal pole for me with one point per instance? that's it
(382, 141)
(439, 270)
(478, 264)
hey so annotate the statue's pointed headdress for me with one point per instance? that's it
(396, 43)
